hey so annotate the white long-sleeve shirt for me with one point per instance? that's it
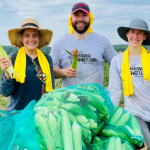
(137, 104)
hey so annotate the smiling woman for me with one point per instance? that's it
(34, 69)
(130, 71)
(30, 40)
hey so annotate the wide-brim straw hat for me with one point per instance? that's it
(33, 24)
(135, 24)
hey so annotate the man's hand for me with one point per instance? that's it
(62, 73)
(70, 72)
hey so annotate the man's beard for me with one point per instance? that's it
(80, 31)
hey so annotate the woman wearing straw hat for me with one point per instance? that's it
(131, 70)
(34, 68)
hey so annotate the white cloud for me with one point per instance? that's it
(54, 14)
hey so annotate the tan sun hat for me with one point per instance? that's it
(33, 24)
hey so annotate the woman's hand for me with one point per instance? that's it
(4, 63)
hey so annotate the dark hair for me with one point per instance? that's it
(133, 28)
(20, 33)
(23, 30)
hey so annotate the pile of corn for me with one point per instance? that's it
(70, 118)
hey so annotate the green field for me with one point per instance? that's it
(4, 100)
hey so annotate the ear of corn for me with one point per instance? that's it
(74, 55)
(100, 106)
(73, 108)
(135, 126)
(57, 95)
(123, 119)
(90, 107)
(83, 146)
(129, 129)
(116, 116)
(66, 131)
(86, 136)
(93, 88)
(97, 146)
(81, 110)
(111, 131)
(72, 98)
(77, 136)
(41, 140)
(128, 146)
(10, 69)
(100, 117)
(58, 142)
(52, 123)
(93, 124)
(96, 139)
(123, 147)
(83, 121)
(53, 105)
(71, 117)
(99, 128)
(117, 144)
(111, 143)
(74, 62)
(42, 127)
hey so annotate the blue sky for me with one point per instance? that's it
(54, 14)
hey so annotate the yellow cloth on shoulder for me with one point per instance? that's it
(20, 67)
(89, 29)
(126, 74)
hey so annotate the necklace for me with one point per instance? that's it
(42, 76)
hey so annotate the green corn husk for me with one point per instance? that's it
(74, 55)
(74, 62)
(10, 69)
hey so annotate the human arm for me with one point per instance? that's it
(57, 52)
(6, 86)
(115, 81)
(109, 51)
(4, 64)
(62, 73)
(6, 83)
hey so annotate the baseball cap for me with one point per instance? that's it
(80, 6)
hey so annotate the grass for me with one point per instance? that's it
(4, 100)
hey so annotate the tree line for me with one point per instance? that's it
(10, 49)
(47, 49)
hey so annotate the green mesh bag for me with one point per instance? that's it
(82, 108)
(124, 125)
(17, 130)
(112, 143)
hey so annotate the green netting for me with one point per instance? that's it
(112, 143)
(17, 130)
(124, 125)
(68, 118)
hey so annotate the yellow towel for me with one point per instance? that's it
(126, 75)
(20, 67)
(89, 29)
